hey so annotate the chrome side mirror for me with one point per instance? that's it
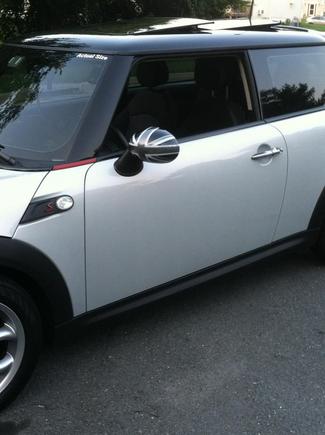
(155, 146)
(152, 145)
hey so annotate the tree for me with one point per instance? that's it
(199, 8)
(19, 16)
(11, 16)
(213, 8)
(289, 99)
(168, 8)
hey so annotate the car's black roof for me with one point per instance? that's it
(174, 43)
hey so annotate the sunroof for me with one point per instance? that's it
(140, 26)
(176, 25)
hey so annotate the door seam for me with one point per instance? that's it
(286, 182)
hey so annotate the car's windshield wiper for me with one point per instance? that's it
(6, 158)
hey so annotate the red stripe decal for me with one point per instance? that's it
(74, 164)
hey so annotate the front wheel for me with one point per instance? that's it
(20, 339)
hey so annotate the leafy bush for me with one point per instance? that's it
(21, 16)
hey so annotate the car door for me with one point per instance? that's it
(219, 199)
(211, 204)
(291, 82)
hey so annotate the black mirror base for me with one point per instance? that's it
(128, 165)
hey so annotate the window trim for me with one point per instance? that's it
(243, 75)
(221, 131)
(295, 114)
(242, 56)
(186, 139)
(252, 82)
(245, 67)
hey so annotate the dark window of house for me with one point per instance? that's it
(290, 80)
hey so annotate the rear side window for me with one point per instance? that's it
(290, 80)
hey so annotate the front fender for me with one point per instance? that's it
(16, 192)
(25, 260)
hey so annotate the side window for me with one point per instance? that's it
(290, 80)
(187, 96)
(179, 71)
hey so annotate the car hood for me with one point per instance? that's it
(16, 191)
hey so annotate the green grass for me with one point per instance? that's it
(318, 27)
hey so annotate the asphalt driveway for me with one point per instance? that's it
(244, 354)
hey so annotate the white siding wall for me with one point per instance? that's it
(283, 9)
(280, 9)
(319, 7)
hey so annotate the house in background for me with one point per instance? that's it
(287, 9)
(312, 8)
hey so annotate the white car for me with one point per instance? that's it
(316, 20)
(136, 166)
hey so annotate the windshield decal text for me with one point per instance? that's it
(91, 56)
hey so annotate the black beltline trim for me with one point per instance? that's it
(179, 285)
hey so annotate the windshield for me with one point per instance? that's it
(43, 97)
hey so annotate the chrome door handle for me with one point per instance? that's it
(269, 153)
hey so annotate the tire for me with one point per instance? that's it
(319, 247)
(20, 339)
